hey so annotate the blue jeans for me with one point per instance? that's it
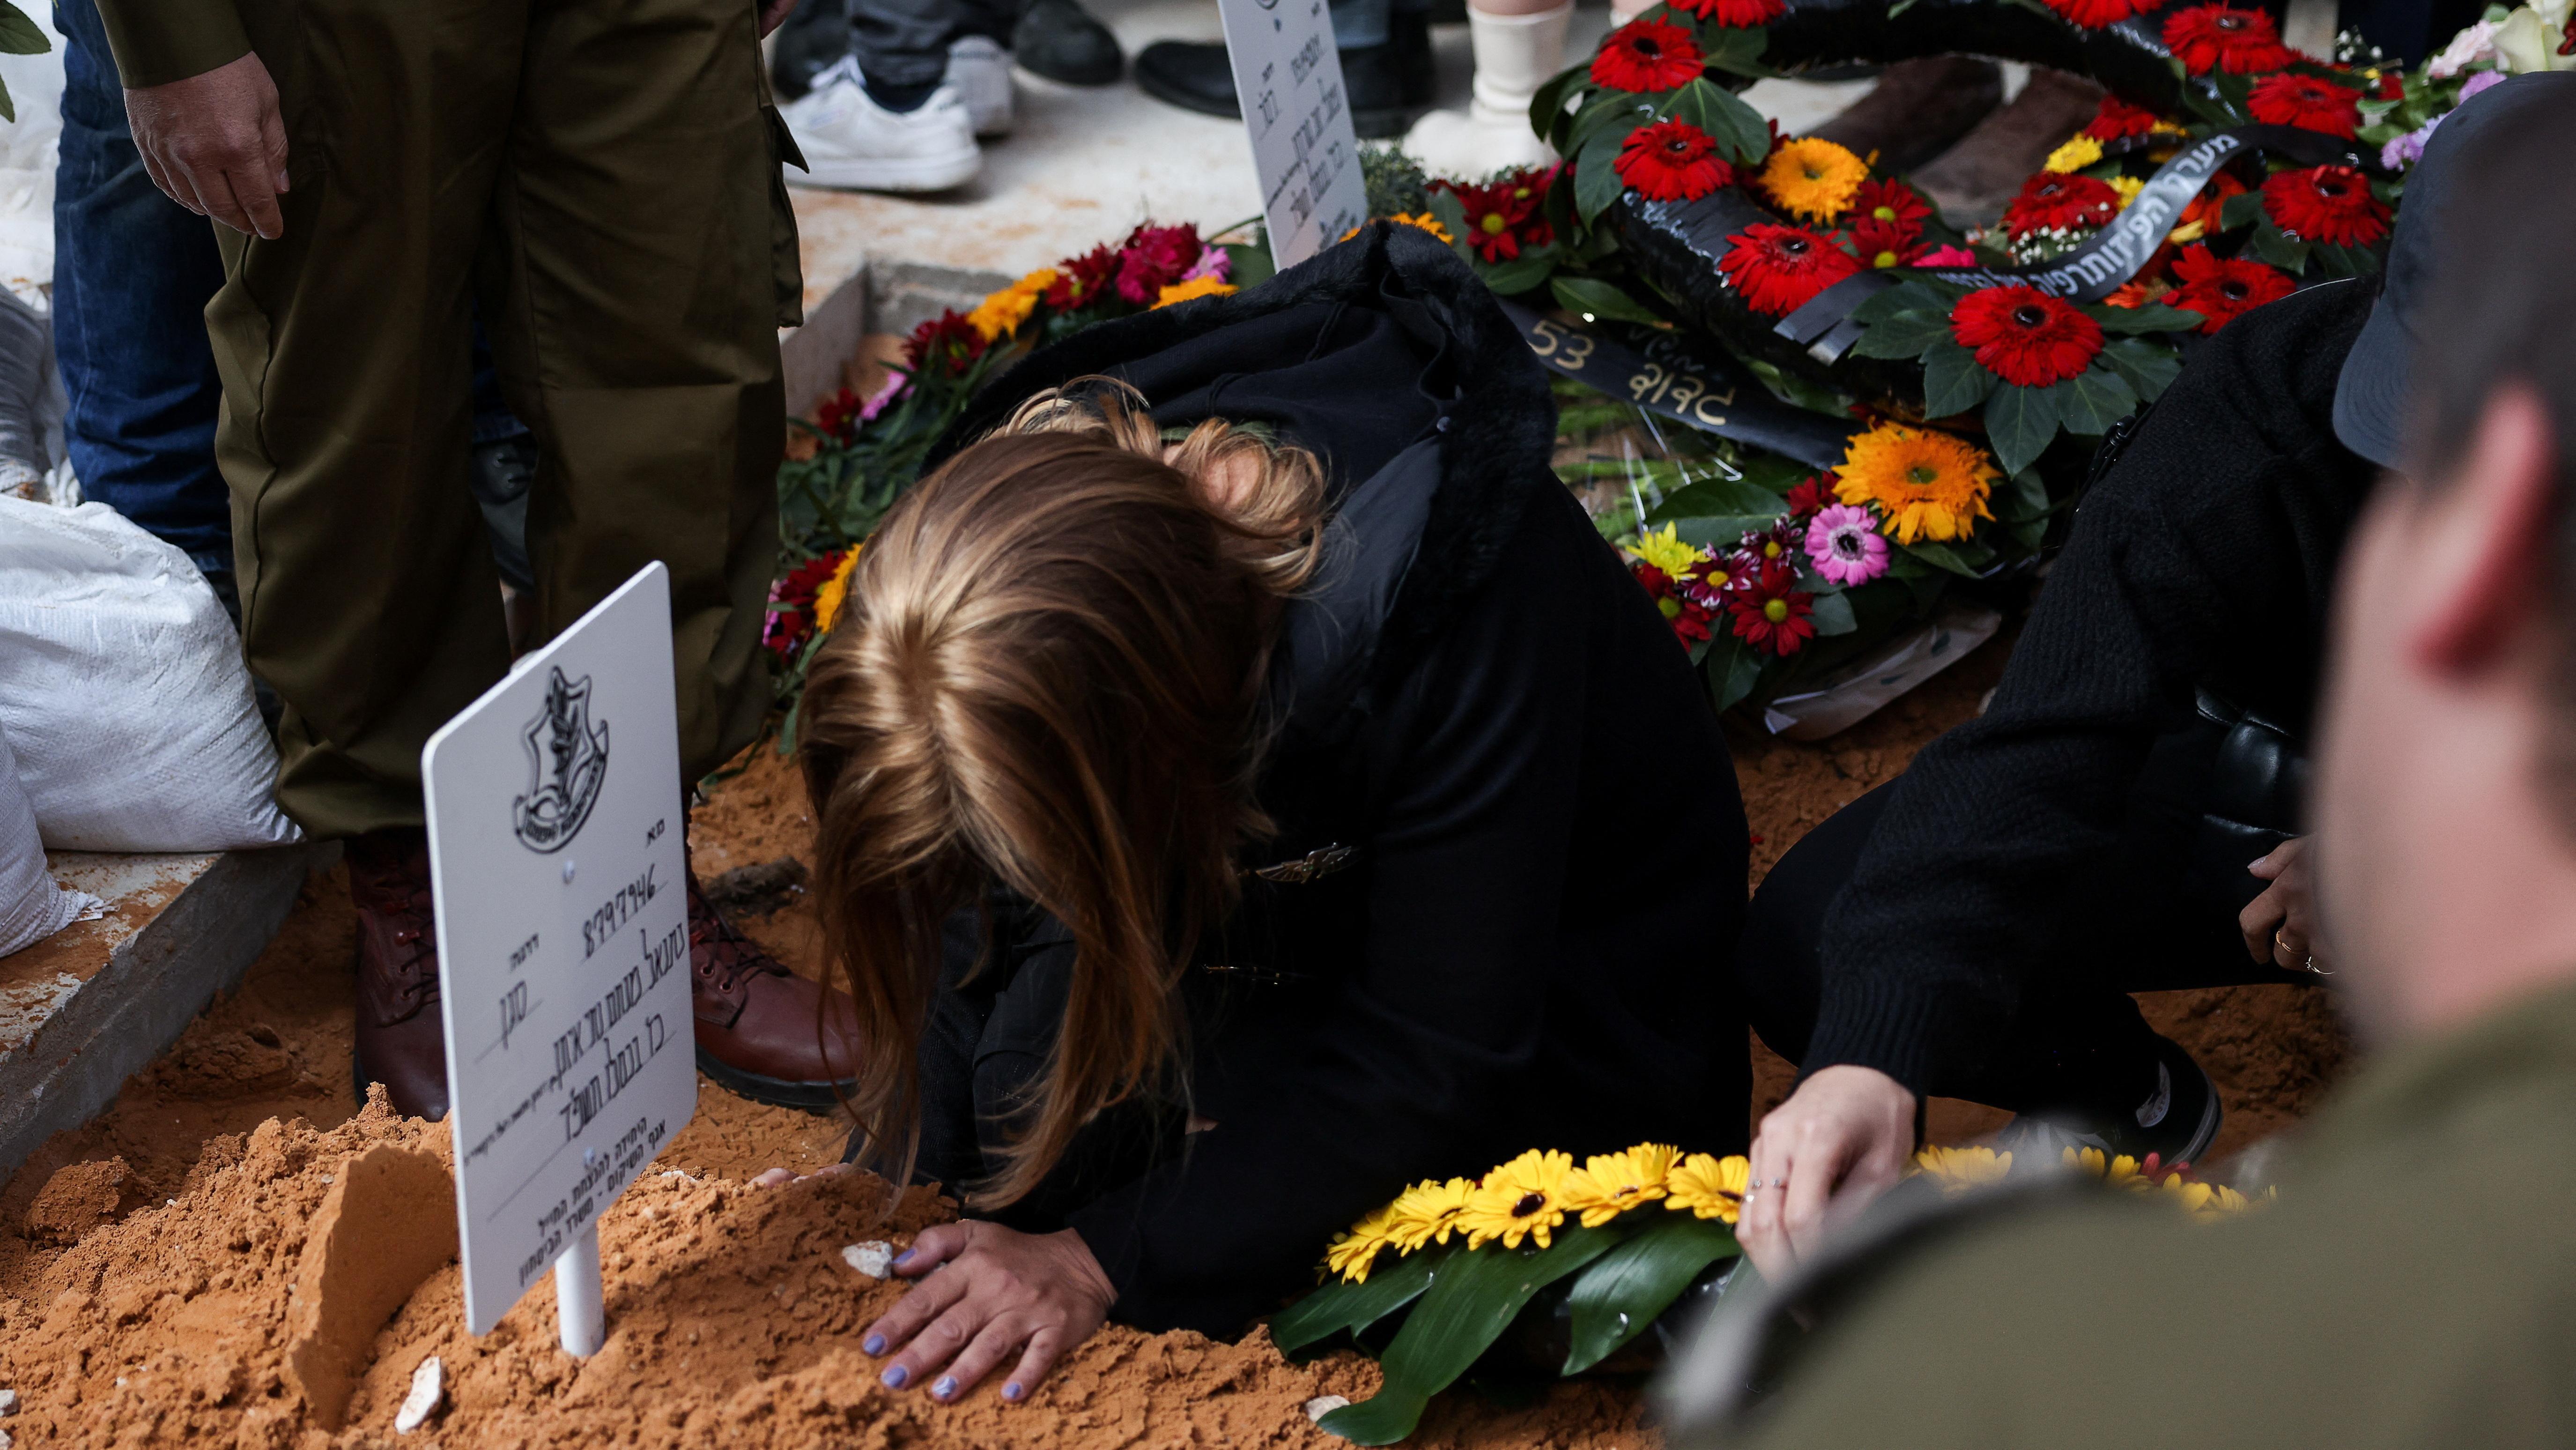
(133, 271)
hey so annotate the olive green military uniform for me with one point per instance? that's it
(2415, 1285)
(602, 176)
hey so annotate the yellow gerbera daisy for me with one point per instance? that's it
(1524, 1198)
(1001, 313)
(1814, 178)
(1428, 1212)
(1961, 1169)
(1351, 1255)
(1610, 1184)
(2128, 187)
(835, 590)
(1195, 287)
(1660, 548)
(1926, 484)
(1707, 1187)
(2078, 152)
(2120, 1172)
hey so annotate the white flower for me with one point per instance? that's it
(2527, 40)
(2466, 49)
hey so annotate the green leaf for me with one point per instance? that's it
(2154, 317)
(1831, 613)
(1594, 299)
(1723, 531)
(2270, 244)
(1906, 335)
(2019, 423)
(2092, 400)
(1609, 109)
(1596, 171)
(1248, 266)
(2023, 496)
(1742, 673)
(1903, 297)
(2239, 209)
(1340, 1306)
(1954, 381)
(2146, 366)
(1451, 213)
(1941, 556)
(1470, 1302)
(1737, 128)
(20, 35)
(1547, 109)
(1621, 1292)
(1520, 274)
(1737, 51)
(1719, 494)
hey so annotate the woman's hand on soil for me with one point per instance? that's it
(2280, 925)
(1839, 1141)
(998, 1293)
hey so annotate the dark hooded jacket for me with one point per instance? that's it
(1511, 857)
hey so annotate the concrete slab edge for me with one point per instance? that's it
(153, 986)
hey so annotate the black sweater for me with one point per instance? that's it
(2203, 557)
(1527, 948)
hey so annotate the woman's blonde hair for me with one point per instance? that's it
(1048, 675)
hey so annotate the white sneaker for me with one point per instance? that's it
(853, 144)
(979, 70)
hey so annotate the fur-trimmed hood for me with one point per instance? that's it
(1386, 357)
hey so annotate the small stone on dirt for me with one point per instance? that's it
(875, 1258)
(427, 1390)
(1322, 1405)
(8, 1402)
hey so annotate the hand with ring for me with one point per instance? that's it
(1839, 1141)
(2279, 926)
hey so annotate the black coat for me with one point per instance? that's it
(2203, 559)
(1524, 851)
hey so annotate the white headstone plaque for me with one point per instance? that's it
(1298, 114)
(561, 886)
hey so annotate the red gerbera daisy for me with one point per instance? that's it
(1736, 14)
(1671, 161)
(1891, 203)
(943, 346)
(2329, 204)
(1771, 615)
(1886, 244)
(2060, 201)
(2025, 336)
(1503, 216)
(2094, 14)
(1778, 269)
(2221, 289)
(2223, 37)
(839, 415)
(1079, 280)
(1811, 495)
(2317, 105)
(1647, 55)
(2118, 121)
(791, 604)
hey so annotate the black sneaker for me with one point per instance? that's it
(2177, 1123)
(1386, 83)
(1059, 40)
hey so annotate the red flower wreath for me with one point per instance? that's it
(1671, 161)
(1503, 216)
(943, 346)
(2329, 204)
(2060, 201)
(2118, 121)
(2239, 42)
(1734, 14)
(2308, 102)
(2025, 336)
(1647, 55)
(2094, 14)
(1811, 496)
(1886, 244)
(1779, 269)
(1688, 617)
(2222, 289)
(1079, 280)
(1771, 615)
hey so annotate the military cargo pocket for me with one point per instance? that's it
(787, 264)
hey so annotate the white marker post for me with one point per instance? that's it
(561, 888)
(1298, 114)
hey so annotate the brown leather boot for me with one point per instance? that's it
(400, 1043)
(764, 1032)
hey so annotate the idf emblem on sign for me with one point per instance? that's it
(567, 759)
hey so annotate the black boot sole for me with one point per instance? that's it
(811, 1097)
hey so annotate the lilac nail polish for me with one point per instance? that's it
(874, 1344)
(904, 1258)
(1012, 1391)
(947, 1386)
(894, 1377)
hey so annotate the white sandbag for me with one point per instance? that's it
(123, 691)
(32, 907)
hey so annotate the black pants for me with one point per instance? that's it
(900, 44)
(2079, 1048)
